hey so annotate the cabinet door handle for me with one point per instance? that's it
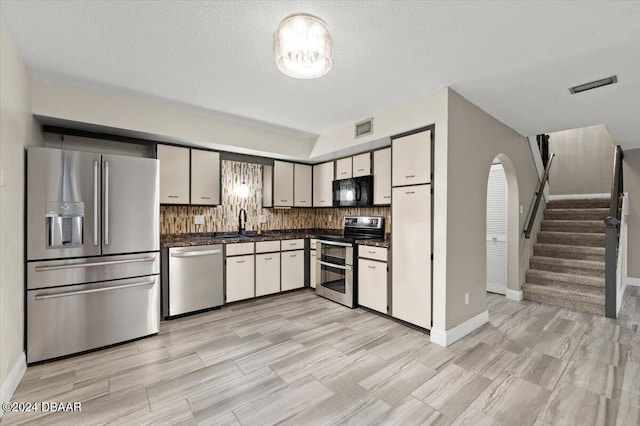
(387, 196)
(302, 201)
(293, 255)
(371, 267)
(173, 196)
(361, 170)
(343, 173)
(371, 251)
(205, 198)
(283, 201)
(410, 192)
(410, 176)
(240, 261)
(268, 258)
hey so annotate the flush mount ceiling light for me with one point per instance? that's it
(302, 46)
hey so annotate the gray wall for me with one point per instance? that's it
(583, 162)
(631, 170)
(17, 130)
(475, 139)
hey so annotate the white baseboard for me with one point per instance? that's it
(632, 281)
(578, 196)
(449, 337)
(514, 295)
(13, 379)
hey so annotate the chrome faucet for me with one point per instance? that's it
(242, 226)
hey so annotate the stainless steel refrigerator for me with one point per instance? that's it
(92, 251)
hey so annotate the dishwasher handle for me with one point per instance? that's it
(196, 253)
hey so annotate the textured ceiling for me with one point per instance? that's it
(513, 59)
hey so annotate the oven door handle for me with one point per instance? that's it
(333, 265)
(335, 243)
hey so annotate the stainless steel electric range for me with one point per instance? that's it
(336, 264)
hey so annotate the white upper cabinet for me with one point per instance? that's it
(282, 184)
(174, 174)
(362, 164)
(344, 168)
(205, 177)
(412, 159)
(302, 185)
(323, 184)
(382, 176)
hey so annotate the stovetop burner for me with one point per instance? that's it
(359, 228)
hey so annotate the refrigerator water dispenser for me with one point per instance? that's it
(65, 224)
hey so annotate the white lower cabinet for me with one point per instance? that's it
(292, 269)
(312, 268)
(411, 272)
(267, 273)
(240, 278)
(372, 285)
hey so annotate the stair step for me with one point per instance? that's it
(569, 252)
(561, 280)
(585, 226)
(580, 203)
(580, 301)
(582, 239)
(576, 214)
(586, 268)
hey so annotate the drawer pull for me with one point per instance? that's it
(205, 198)
(410, 176)
(410, 192)
(283, 201)
(88, 265)
(371, 267)
(268, 258)
(343, 173)
(361, 170)
(240, 261)
(173, 196)
(371, 251)
(302, 201)
(293, 255)
(387, 196)
(94, 290)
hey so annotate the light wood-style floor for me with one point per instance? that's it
(300, 359)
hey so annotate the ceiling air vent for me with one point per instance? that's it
(364, 128)
(593, 85)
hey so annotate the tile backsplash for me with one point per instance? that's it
(180, 219)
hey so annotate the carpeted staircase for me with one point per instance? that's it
(567, 267)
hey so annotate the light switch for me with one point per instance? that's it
(198, 219)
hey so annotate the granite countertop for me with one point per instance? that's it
(376, 243)
(208, 238)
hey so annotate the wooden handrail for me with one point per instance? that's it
(539, 192)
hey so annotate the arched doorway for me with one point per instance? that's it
(503, 229)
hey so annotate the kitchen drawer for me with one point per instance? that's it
(70, 319)
(372, 252)
(267, 246)
(312, 243)
(236, 249)
(292, 244)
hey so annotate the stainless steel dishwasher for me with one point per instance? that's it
(192, 279)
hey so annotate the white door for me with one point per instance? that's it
(497, 230)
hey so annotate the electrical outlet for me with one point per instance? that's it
(329, 218)
(198, 219)
(262, 218)
(466, 298)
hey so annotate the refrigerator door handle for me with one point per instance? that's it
(106, 203)
(95, 202)
(88, 265)
(95, 290)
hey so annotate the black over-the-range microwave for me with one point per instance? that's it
(353, 192)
